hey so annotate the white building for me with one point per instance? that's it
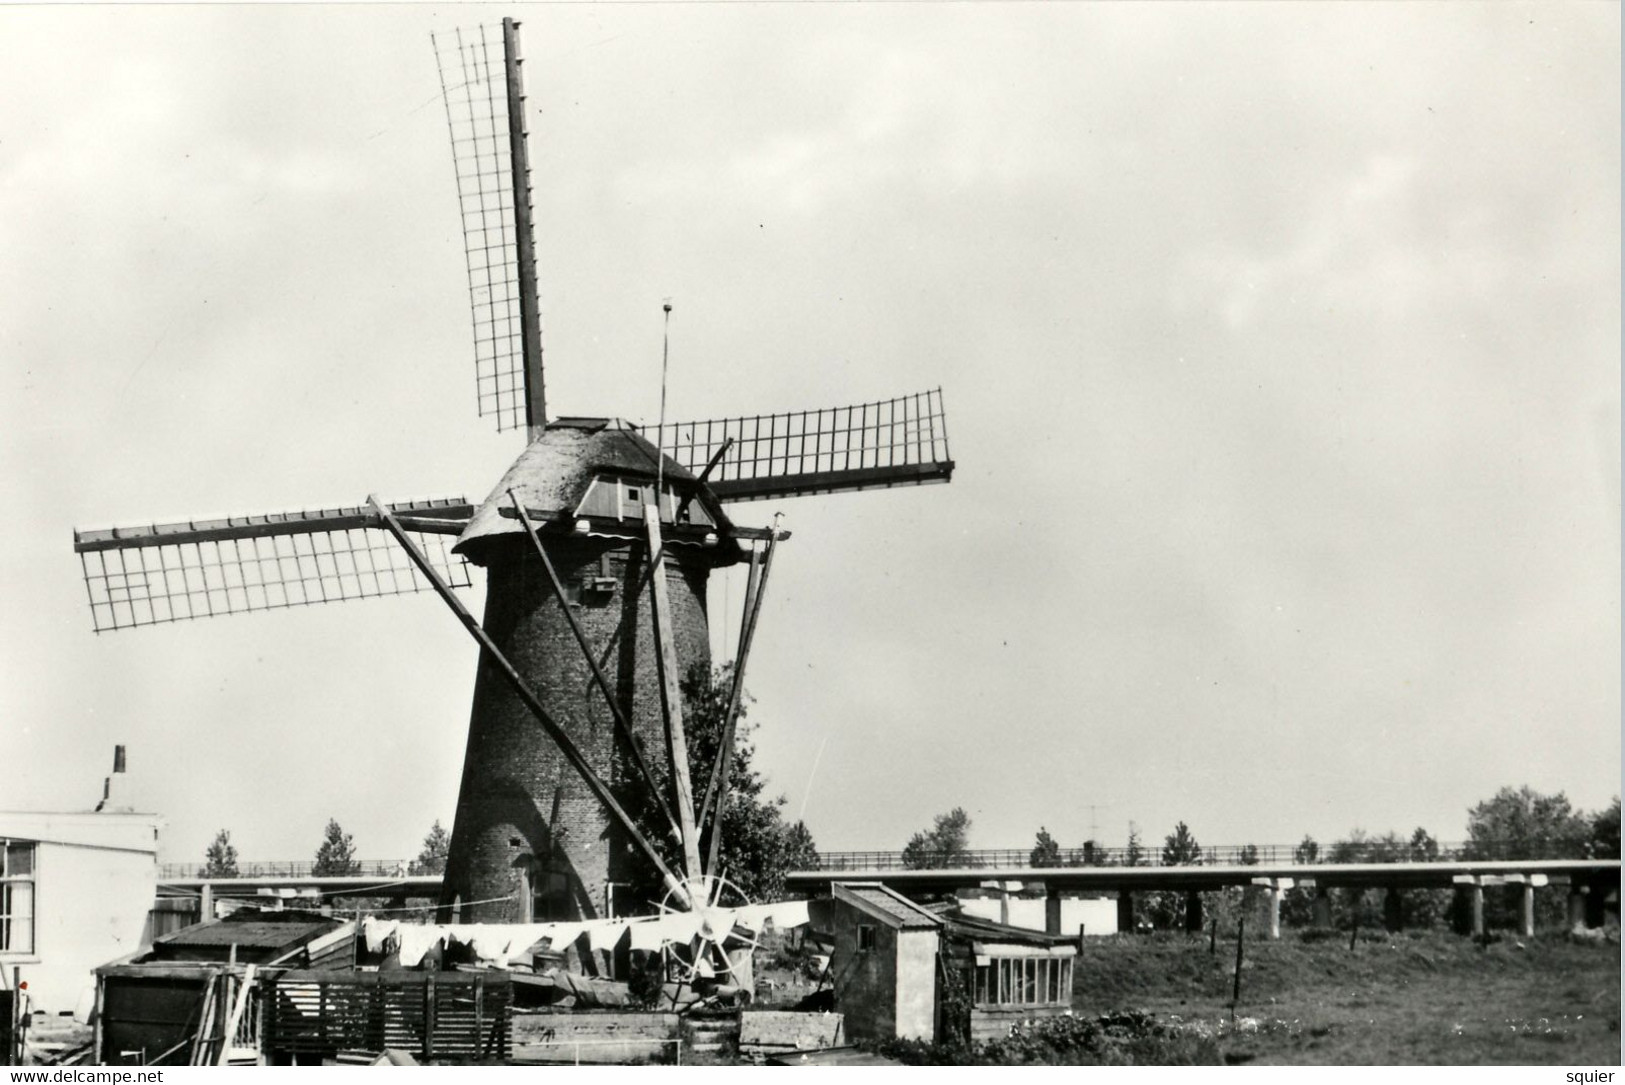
(75, 892)
(1063, 913)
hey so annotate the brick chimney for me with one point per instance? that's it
(116, 789)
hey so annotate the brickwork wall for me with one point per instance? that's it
(520, 800)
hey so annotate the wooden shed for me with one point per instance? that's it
(892, 960)
(884, 962)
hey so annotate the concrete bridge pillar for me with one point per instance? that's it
(1125, 912)
(1323, 907)
(205, 905)
(1526, 914)
(1577, 907)
(1473, 885)
(1273, 888)
(1597, 900)
(1393, 910)
(1193, 912)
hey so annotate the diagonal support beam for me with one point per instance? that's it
(560, 737)
(753, 583)
(716, 792)
(621, 722)
(677, 518)
(671, 694)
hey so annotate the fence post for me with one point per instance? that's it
(428, 1018)
(1235, 991)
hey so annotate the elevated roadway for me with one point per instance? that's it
(1589, 882)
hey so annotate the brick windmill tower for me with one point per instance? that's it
(597, 545)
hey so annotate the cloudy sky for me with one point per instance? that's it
(1279, 345)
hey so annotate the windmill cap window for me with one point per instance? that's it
(616, 497)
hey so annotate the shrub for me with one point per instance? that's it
(1123, 1038)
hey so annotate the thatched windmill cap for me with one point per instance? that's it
(553, 474)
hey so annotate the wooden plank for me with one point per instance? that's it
(671, 695)
(275, 523)
(752, 584)
(530, 324)
(244, 986)
(764, 487)
(725, 752)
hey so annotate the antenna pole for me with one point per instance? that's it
(660, 434)
(530, 318)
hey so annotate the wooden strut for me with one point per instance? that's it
(671, 695)
(716, 794)
(598, 675)
(710, 466)
(236, 1018)
(560, 737)
(709, 811)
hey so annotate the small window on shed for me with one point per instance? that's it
(866, 937)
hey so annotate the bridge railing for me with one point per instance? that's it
(991, 858)
(293, 868)
(1222, 855)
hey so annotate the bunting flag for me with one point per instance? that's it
(500, 943)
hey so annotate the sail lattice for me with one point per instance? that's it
(473, 84)
(890, 442)
(199, 569)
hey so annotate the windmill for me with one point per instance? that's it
(597, 545)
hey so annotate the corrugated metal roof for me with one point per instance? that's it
(963, 925)
(899, 911)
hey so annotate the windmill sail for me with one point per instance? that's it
(866, 446)
(200, 568)
(483, 88)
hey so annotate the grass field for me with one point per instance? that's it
(1409, 999)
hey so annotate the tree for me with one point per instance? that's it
(1248, 856)
(1166, 908)
(1423, 848)
(799, 848)
(1521, 823)
(943, 845)
(758, 848)
(1297, 903)
(432, 858)
(336, 857)
(1524, 824)
(220, 860)
(1361, 847)
(1046, 852)
(1135, 853)
(1604, 843)
(1179, 848)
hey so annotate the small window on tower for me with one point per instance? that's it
(866, 937)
